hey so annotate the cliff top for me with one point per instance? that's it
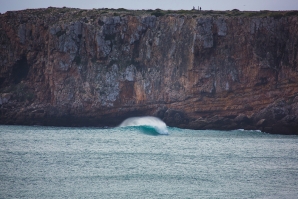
(74, 13)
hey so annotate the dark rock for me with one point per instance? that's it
(174, 117)
(242, 119)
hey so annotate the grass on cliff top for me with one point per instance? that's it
(75, 13)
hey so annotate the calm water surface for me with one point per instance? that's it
(133, 162)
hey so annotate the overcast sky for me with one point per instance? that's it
(6, 5)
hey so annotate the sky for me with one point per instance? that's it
(256, 5)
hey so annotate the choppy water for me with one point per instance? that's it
(134, 162)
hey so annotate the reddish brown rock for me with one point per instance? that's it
(79, 68)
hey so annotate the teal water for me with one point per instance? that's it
(135, 162)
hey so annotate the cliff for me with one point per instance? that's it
(199, 70)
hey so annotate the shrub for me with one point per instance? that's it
(292, 13)
(237, 14)
(185, 12)
(252, 14)
(235, 10)
(276, 15)
(121, 9)
(157, 14)
(208, 12)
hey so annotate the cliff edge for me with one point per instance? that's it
(198, 70)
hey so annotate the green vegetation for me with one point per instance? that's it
(292, 13)
(69, 14)
(184, 12)
(261, 13)
(268, 13)
(276, 15)
(157, 14)
(121, 9)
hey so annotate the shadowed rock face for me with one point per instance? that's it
(193, 72)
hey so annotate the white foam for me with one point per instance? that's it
(154, 122)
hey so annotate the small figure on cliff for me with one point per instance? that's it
(200, 8)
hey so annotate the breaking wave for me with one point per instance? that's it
(148, 124)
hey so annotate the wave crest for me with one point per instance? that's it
(147, 122)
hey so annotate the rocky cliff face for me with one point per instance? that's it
(77, 68)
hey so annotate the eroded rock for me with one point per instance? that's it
(96, 68)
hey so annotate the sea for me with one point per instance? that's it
(144, 158)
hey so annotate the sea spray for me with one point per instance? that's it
(147, 122)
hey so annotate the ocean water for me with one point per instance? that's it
(139, 162)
